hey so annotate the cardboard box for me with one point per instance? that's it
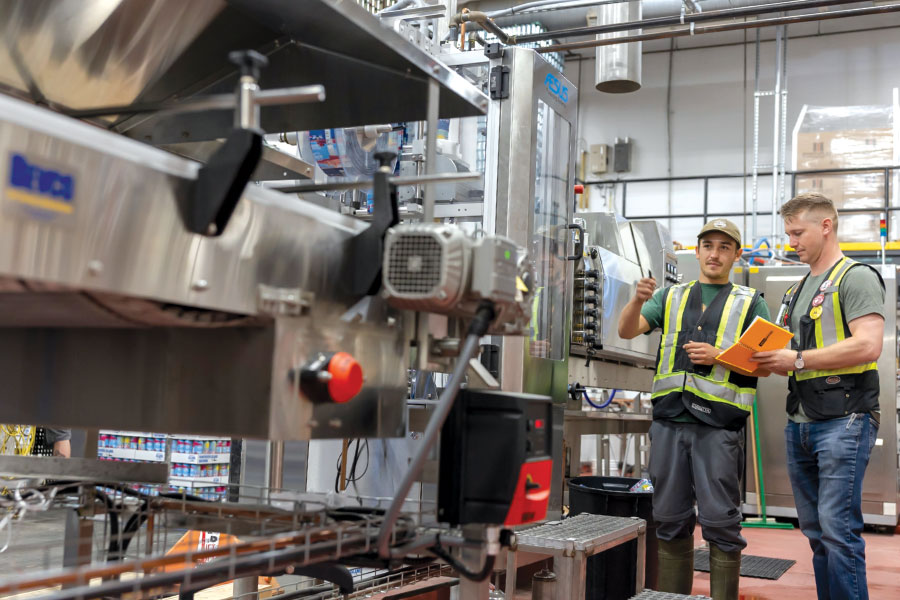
(846, 190)
(844, 149)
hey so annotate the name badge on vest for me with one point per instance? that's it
(818, 300)
(815, 313)
(825, 285)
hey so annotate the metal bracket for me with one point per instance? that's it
(493, 50)
(283, 302)
(480, 377)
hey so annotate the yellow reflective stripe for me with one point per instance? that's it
(535, 312)
(668, 310)
(819, 340)
(726, 312)
(838, 318)
(686, 292)
(855, 370)
(711, 398)
(836, 303)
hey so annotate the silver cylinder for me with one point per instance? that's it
(618, 67)
(543, 585)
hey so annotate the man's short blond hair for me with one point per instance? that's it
(811, 202)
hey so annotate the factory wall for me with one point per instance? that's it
(710, 131)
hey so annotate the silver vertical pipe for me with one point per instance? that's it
(434, 94)
(275, 460)
(776, 132)
(755, 178)
(783, 100)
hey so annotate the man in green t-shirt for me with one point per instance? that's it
(836, 313)
(699, 411)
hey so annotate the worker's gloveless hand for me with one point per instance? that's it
(645, 289)
(776, 361)
(701, 353)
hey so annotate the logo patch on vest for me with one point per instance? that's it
(825, 285)
(703, 409)
(818, 300)
(833, 380)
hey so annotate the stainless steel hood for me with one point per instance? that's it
(84, 54)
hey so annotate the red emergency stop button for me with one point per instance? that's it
(579, 189)
(329, 377)
(346, 377)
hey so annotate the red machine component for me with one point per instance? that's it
(532, 493)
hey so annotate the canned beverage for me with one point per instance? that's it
(197, 447)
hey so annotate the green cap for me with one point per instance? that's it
(723, 226)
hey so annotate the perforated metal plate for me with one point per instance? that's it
(751, 566)
(583, 531)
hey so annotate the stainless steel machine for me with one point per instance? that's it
(117, 311)
(880, 486)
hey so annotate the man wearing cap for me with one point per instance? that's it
(837, 315)
(699, 411)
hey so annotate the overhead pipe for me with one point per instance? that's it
(688, 31)
(710, 15)
(486, 23)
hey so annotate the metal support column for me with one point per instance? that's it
(431, 127)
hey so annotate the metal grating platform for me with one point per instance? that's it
(583, 531)
(651, 595)
(751, 566)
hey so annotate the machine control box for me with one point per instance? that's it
(496, 464)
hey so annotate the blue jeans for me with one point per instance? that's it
(826, 464)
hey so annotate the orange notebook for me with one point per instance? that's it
(761, 336)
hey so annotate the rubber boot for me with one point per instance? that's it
(724, 573)
(676, 566)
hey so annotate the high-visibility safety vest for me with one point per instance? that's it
(828, 393)
(713, 394)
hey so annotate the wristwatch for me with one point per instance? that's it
(798, 363)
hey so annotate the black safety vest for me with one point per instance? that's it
(711, 393)
(828, 393)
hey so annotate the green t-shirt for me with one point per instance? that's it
(861, 294)
(654, 311)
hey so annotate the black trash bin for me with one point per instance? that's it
(611, 574)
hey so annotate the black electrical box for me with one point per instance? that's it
(495, 465)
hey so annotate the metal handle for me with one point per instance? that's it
(579, 246)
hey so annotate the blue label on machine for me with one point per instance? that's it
(555, 87)
(42, 190)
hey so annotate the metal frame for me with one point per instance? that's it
(570, 555)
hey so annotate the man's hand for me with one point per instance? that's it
(645, 289)
(701, 353)
(776, 361)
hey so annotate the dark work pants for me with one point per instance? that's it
(694, 463)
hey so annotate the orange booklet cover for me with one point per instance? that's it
(761, 336)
